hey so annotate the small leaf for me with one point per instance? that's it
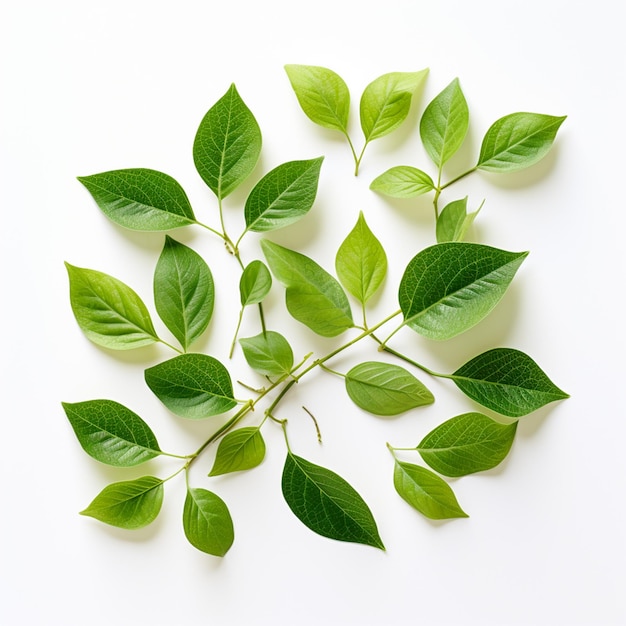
(192, 385)
(283, 196)
(109, 312)
(207, 522)
(241, 449)
(466, 444)
(454, 221)
(507, 381)
(227, 145)
(403, 181)
(385, 389)
(361, 262)
(386, 102)
(140, 199)
(518, 140)
(268, 353)
(327, 504)
(111, 433)
(184, 293)
(255, 283)
(449, 287)
(130, 504)
(444, 124)
(313, 296)
(426, 492)
(322, 94)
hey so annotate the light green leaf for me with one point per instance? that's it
(449, 287)
(239, 450)
(466, 444)
(386, 102)
(322, 94)
(283, 196)
(207, 522)
(130, 504)
(313, 296)
(184, 293)
(255, 283)
(109, 312)
(361, 262)
(385, 389)
(507, 381)
(111, 433)
(227, 145)
(517, 141)
(426, 492)
(140, 199)
(454, 221)
(192, 385)
(327, 504)
(403, 181)
(444, 124)
(268, 353)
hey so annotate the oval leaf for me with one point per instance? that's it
(449, 287)
(111, 433)
(255, 283)
(453, 221)
(192, 385)
(268, 353)
(327, 504)
(466, 444)
(109, 312)
(241, 449)
(507, 381)
(207, 522)
(140, 199)
(403, 181)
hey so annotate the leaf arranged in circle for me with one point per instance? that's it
(239, 450)
(207, 522)
(268, 353)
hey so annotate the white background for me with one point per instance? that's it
(92, 86)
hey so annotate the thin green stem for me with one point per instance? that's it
(169, 345)
(331, 371)
(232, 345)
(454, 180)
(211, 230)
(357, 161)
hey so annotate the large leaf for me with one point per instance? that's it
(507, 381)
(227, 144)
(327, 504)
(403, 181)
(518, 140)
(361, 262)
(283, 196)
(192, 385)
(386, 102)
(111, 433)
(239, 450)
(184, 293)
(140, 199)
(109, 312)
(313, 296)
(268, 353)
(255, 283)
(385, 389)
(467, 443)
(207, 522)
(130, 504)
(449, 287)
(453, 221)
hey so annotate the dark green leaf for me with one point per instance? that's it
(268, 353)
(239, 450)
(403, 181)
(453, 222)
(255, 283)
(207, 522)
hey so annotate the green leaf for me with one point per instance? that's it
(241, 449)
(449, 287)
(403, 181)
(130, 504)
(207, 522)
(109, 312)
(518, 140)
(386, 102)
(313, 296)
(283, 196)
(111, 433)
(385, 389)
(255, 283)
(322, 94)
(466, 444)
(140, 199)
(444, 124)
(192, 385)
(327, 504)
(426, 492)
(184, 293)
(227, 145)
(361, 262)
(268, 353)
(454, 221)
(507, 381)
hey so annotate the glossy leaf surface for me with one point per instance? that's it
(403, 181)
(454, 221)
(207, 522)
(239, 450)
(268, 353)
(255, 283)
